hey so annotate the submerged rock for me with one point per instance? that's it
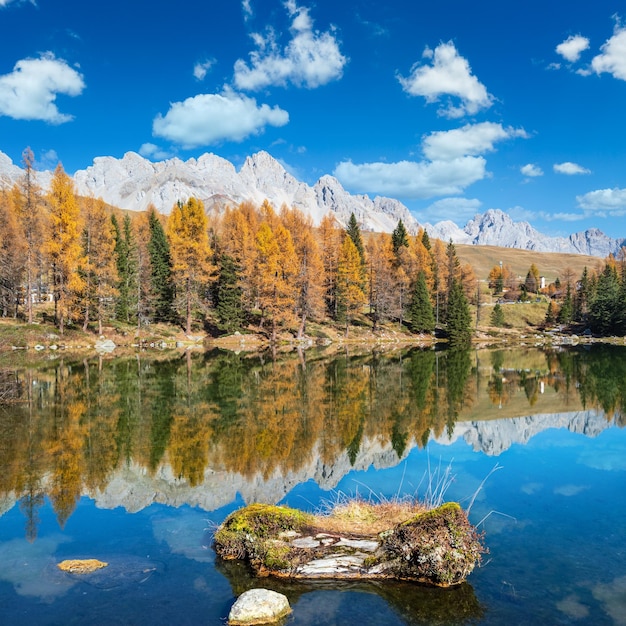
(259, 606)
(438, 547)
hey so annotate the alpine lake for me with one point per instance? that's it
(135, 461)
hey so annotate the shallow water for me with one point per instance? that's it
(135, 462)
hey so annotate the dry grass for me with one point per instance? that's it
(365, 517)
(549, 264)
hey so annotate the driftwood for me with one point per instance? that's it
(438, 547)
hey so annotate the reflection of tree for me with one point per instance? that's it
(602, 381)
(67, 462)
(77, 423)
(458, 367)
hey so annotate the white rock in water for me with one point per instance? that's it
(258, 606)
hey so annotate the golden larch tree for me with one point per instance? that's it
(99, 267)
(350, 288)
(276, 269)
(310, 272)
(63, 246)
(188, 234)
(30, 216)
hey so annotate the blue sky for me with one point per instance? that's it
(453, 107)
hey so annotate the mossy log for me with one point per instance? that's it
(438, 547)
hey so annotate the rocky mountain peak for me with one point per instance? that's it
(134, 183)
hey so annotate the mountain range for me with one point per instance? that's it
(134, 183)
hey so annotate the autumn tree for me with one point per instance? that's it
(187, 229)
(30, 219)
(350, 289)
(13, 254)
(309, 279)
(237, 240)
(532, 279)
(62, 245)
(276, 267)
(99, 268)
(381, 278)
(330, 239)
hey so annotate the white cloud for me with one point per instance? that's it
(410, 179)
(531, 170)
(456, 209)
(612, 201)
(449, 75)
(213, 118)
(573, 47)
(471, 139)
(4, 3)
(613, 57)
(570, 168)
(30, 91)
(310, 59)
(201, 69)
(246, 5)
(154, 152)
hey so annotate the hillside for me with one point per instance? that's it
(550, 264)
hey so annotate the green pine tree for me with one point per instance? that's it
(399, 238)
(163, 290)
(228, 296)
(459, 320)
(354, 232)
(126, 261)
(566, 313)
(421, 315)
(497, 316)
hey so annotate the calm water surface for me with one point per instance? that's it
(135, 460)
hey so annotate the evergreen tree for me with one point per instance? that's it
(421, 316)
(459, 320)
(567, 308)
(354, 232)
(399, 238)
(426, 240)
(605, 308)
(497, 316)
(126, 263)
(551, 314)
(228, 296)
(163, 290)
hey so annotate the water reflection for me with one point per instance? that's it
(201, 428)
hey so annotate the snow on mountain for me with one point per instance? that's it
(134, 183)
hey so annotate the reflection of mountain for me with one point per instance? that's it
(496, 436)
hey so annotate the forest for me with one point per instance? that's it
(254, 269)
